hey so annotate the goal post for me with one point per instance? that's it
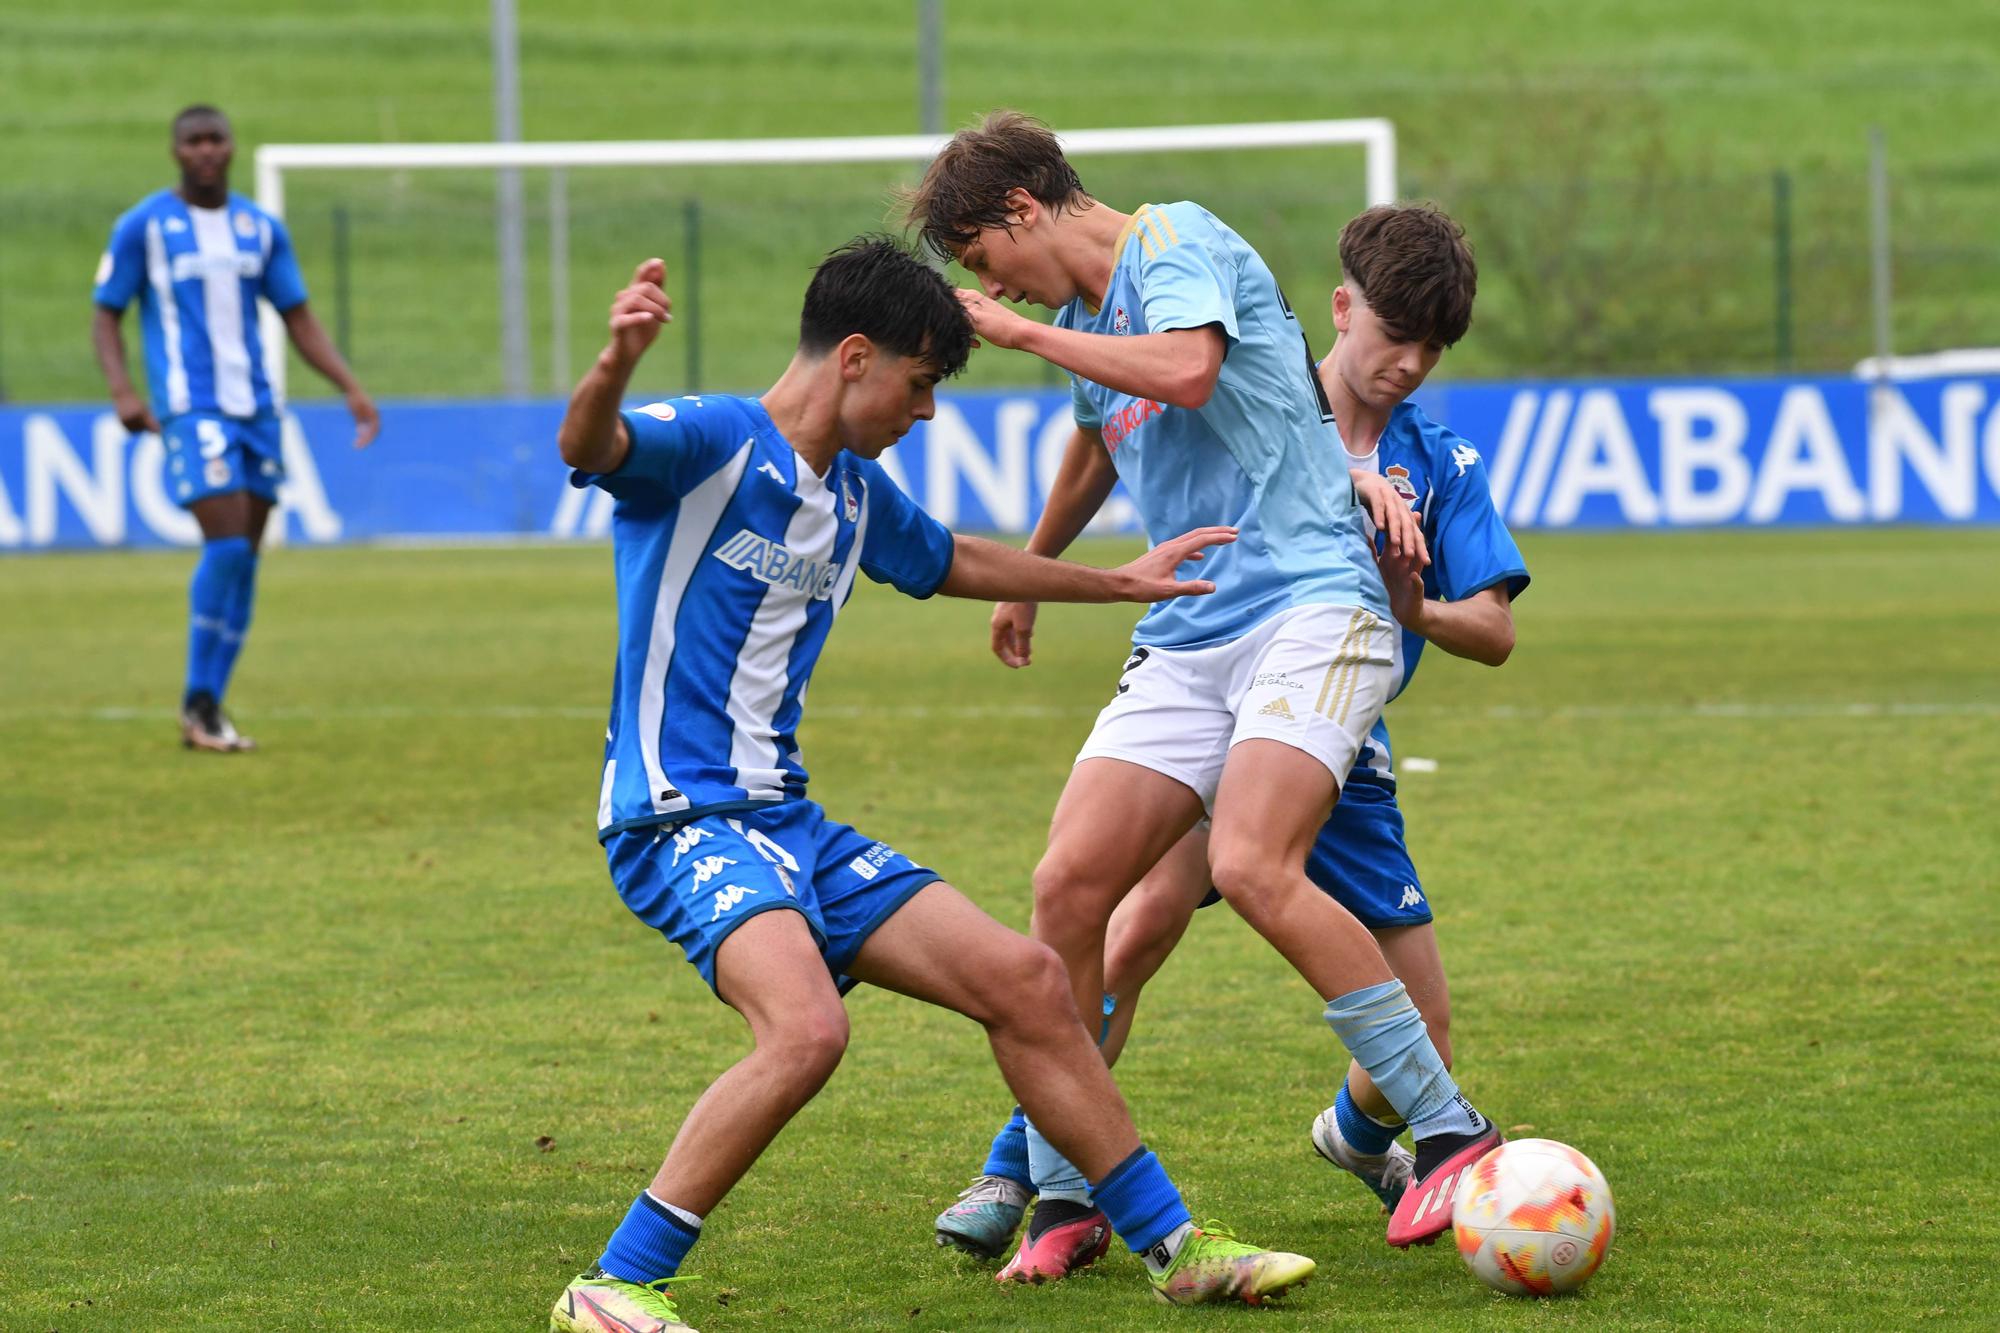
(1377, 137)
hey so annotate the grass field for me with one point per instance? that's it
(352, 1034)
(1613, 161)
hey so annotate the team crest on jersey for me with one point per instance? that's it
(850, 508)
(246, 226)
(1120, 321)
(1399, 477)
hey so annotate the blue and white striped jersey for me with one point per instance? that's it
(1440, 476)
(198, 273)
(732, 559)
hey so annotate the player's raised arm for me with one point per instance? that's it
(1178, 367)
(987, 569)
(593, 436)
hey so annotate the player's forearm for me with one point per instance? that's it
(592, 435)
(991, 572)
(1082, 485)
(1178, 368)
(1478, 628)
(318, 351)
(108, 341)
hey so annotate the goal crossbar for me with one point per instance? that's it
(1376, 136)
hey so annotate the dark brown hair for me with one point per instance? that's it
(1414, 269)
(964, 190)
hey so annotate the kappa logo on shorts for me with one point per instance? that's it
(1278, 708)
(686, 837)
(216, 472)
(727, 898)
(1412, 897)
(709, 867)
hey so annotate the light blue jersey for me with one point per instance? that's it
(1441, 477)
(732, 559)
(197, 273)
(1261, 454)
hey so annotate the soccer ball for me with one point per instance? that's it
(1533, 1218)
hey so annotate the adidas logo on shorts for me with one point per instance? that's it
(1277, 708)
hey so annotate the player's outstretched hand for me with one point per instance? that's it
(367, 421)
(638, 311)
(1150, 578)
(1403, 576)
(991, 321)
(1013, 628)
(1401, 527)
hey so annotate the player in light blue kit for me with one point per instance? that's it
(1192, 373)
(739, 529)
(1406, 295)
(197, 258)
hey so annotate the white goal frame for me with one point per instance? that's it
(273, 161)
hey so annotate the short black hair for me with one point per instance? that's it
(875, 287)
(199, 111)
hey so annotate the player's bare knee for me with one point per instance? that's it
(807, 1045)
(1029, 987)
(1067, 902)
(1253, 882)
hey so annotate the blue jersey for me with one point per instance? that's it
(1261, 454)
(732, 558)
(198, 273)
(1442, 477)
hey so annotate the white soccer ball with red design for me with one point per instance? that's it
(1533, 1217)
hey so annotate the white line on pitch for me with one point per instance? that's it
(1714, 711)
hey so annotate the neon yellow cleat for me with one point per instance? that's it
(1215, 1266)
(600, 1303)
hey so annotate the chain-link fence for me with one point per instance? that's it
(1651, 271)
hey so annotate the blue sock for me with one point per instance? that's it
(235, 624)
(1143, 1205)
(1387, 1037)
(1367, 1134)
(649, 1244)
(1009, 1156)
(216, 576)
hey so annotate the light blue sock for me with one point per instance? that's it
(216, 576)
(649, 1244)
(235, 624)
(1052, 1175)
(1008, 1157)
(1386, 1035)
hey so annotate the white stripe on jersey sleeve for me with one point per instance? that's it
(757, 688)
(845, 584)
(222, 297)
(694, 526)
(162, 280)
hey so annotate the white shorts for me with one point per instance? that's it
(1314, 677)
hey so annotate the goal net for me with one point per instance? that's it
(400, 240)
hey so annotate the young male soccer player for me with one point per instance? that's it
(197, 258)
(1408, 281)
(1189, 367)
(739, 528)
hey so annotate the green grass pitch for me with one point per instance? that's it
(352, 1034)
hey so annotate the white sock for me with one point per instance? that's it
(693, 1220)
(1159, 1258)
